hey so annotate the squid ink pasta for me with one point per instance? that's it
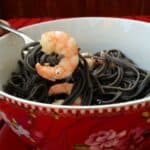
(54, 75)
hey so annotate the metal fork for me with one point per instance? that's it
(26, 39)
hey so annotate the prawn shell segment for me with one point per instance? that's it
(57, 41)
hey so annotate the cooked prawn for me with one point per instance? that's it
(62, 44)
(77, 102)
(58, 102)
(60, 88)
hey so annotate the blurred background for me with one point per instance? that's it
(72, 8)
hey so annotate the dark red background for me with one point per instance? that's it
(73, 8)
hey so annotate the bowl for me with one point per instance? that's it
(46, 126)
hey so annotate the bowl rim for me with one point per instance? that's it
(114, 105)
(86, 18)
(38, 104)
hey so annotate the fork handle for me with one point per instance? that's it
(19, 33)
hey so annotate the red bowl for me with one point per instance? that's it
(121, 126)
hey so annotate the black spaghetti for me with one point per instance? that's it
(114, 78)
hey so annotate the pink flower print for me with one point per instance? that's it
(104, 140)
(134, 138)
(136, 135)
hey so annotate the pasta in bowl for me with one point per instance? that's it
(84, 70)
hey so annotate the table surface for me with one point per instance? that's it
(8, 140)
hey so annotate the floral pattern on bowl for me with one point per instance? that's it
(119, 129)
(123, 140)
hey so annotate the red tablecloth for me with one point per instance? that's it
(8, 140)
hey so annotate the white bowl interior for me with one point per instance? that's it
(92, 34)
